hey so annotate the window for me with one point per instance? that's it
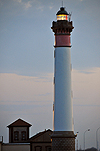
(62, 17)
(38, 148)
(23, 133)
(16, 135)
(48, 148)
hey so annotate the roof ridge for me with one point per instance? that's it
(19, 122)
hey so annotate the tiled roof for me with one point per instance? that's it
(18, 123)
(40, 134)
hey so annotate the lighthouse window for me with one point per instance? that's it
(62, 17)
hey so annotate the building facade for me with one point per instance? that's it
(19, 139)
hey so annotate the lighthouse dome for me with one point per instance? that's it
(62, 11)
(62, 14)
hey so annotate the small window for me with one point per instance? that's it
(48, 148)
(38, 148)
(23, 135)
(16, 135)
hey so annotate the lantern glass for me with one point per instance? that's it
(62, 17)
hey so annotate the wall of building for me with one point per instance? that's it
(15, 147)
(41, 146)
(0, 145)
(19, 129)
(18, 138)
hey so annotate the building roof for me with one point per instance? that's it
(62, 11)
(19, 123)
(42, 136)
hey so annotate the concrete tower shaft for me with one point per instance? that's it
(63, 116)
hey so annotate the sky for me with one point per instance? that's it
(27, 65)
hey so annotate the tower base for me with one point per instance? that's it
(63, 141)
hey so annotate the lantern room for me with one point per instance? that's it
(62, 14)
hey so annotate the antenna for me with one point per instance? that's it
(62, 3)
(70, 14)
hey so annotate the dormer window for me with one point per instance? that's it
(19, 131)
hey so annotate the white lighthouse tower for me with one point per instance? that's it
(63, 138)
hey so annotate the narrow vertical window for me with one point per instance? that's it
(23, 135)
(16, 135)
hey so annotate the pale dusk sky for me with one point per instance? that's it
(27, 64)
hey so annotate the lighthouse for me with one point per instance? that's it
(63, 138)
